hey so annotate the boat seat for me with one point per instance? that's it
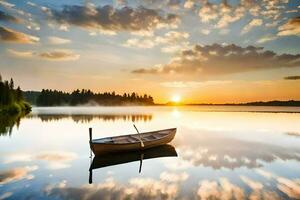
(136, 139)
(150, 137)
(131, 140)
(103, 140)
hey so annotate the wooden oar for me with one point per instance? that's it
(91, 139)
(141, 162)
(140, 138)
(91, 176)
(91, 156)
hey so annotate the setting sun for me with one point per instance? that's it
(176, 99)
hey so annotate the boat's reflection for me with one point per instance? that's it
(111, 159)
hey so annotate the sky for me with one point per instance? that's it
(201, 51)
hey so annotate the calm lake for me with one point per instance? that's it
(222, 152)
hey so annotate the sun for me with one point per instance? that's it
(176, 99)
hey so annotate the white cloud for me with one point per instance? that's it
(230, 15)
(254, 185)
(172, 37)
(6, 4)
(205, 31)
(224, 31)
(223, 13)
(64, 27)
(188, 4)
(173, 177)
(253, 23)
(272, 24)
(31, 3)
(136, 188)
(174, 41)
(139, 43)
(5, 195)
(222, 190)
(208, 12)
(21, 54)
(267, 38)
(58, 40)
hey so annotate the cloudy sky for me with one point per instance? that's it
(204, 51)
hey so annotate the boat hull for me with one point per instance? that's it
(100, 148)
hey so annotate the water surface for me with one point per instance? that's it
(223, 152)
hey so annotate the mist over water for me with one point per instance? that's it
(225, 152)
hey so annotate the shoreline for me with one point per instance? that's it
(16, 108)
(169, 105)
(117, 110)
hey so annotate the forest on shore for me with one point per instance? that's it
(11, 99)
(12, 106)
(85, 97)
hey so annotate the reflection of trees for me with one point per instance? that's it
(7, 123)
(78, 118)
(215, 151)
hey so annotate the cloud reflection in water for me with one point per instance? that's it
(204, 148)
(16, 174)
(54, 159)
(167, 187)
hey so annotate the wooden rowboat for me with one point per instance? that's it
(131, 142)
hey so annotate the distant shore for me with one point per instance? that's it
(254, 104)
(50, 98)
(290, 103)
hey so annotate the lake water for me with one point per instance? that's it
(222, 152)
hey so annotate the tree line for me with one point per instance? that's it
(48, 97)
(11, 99)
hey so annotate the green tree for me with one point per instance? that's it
(19, 94)
(11, 84)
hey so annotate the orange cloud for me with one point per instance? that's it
(59, 55)
(9, 35)
(292, 27)
(55, 55)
